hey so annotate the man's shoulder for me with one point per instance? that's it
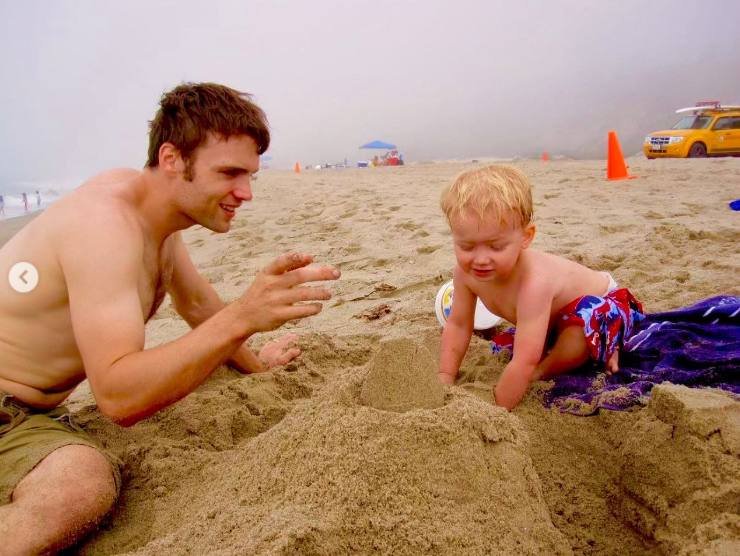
(105, 201)
(92, 213)
(112, 176)
(96, 226)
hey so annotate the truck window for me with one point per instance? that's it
(694, 122)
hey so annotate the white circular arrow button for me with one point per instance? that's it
(23, 277)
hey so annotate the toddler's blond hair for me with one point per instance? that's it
(490, 192)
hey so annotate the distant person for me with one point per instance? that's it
(107, 254)
(38, 198)
(25, 202)
(2, 206)
(565, 314)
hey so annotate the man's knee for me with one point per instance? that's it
(77, 475)
(61, 500)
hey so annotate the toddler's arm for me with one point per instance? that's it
(533, 319)
(457, 333)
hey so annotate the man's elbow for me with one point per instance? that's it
(192, 312)
(117, 417)
(120, 415)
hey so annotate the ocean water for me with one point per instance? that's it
(49, 193)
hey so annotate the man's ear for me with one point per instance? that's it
(170, 160)
(529, 231)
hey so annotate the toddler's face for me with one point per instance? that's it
(487, 250)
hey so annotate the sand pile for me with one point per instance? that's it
(338, 477)
(680, 471)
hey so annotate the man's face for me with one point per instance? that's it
(488, 250)
(221, 172)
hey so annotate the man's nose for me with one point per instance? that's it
(243, 192)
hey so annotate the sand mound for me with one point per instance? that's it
(680, 476)
(402, 377)
(337, 477)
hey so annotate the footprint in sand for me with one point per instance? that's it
(614, 228)
(410, 226)
(426, 249)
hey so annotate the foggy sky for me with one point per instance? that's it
(80, 79)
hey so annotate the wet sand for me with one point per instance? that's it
(11, 226)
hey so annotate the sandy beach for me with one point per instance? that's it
(355, 449)
(11, 226)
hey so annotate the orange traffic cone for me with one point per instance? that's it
(545, 157)
(297, 168)
(616, 169)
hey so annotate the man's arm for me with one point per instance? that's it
(458, 330)
(129, 383)
(533, 319)
(196, 301)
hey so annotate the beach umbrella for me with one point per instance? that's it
(379, 145)
(265, 158)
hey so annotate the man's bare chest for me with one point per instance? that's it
(155, 278)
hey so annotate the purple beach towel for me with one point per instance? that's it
(696, 346)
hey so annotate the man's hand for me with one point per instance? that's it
(276, 294)
(278, 352)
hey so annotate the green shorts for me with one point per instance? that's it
(28, 435)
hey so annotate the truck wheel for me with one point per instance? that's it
(698, 150)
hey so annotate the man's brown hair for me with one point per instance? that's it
(190, 111)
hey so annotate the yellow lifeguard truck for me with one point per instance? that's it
(710, 129)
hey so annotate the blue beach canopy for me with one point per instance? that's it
(265, 158)
(379, 145)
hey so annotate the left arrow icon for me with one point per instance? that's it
(23, 277)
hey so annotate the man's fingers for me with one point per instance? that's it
(287, 262)
(294, 312)
(312, 274)
(294, 295)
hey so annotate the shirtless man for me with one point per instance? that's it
(106, 255)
